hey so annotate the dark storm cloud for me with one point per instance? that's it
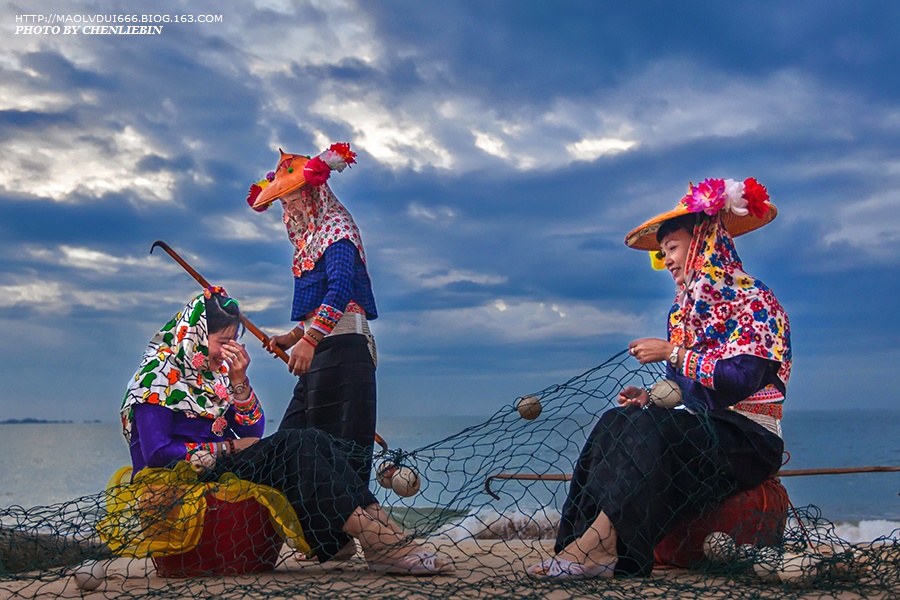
(484, 220)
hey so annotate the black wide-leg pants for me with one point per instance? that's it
(649, 469)
(337, 395)
(314, 474)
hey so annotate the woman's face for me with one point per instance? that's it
(294, 205)
(674, 248)
(217, 341)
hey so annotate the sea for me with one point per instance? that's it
(46, 464)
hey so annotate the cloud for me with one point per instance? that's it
(430, 214)
(59, 297)
(79, 257)
(663, 104)
(63, 167)
(35, 293)
(244, 228)
(853, 224)
(592, 149)
(398, 139)
(517, 321)
(424, 273)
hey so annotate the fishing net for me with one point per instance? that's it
(489, 498)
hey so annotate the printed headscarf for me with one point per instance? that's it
(327, 221)
(175, 373)
(722, 311)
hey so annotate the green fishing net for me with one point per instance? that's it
(488, 497)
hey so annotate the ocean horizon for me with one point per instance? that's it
(42, 464)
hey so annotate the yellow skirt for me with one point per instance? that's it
(161, 512)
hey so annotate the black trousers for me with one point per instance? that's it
(315, 476)
(337, 395)
(650, 469)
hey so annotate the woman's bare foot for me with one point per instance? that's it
(347, 552)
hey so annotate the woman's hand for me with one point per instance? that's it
(650, 350)
(244, 443)
(634, 396)
(283, 341)
(300, 358)
(237, 359)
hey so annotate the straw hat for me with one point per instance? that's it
(743, 206)
(294, 171)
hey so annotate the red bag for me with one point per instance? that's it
(237, 538)
(756, 516)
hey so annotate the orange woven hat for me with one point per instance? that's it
(294, 171)
(744, 206)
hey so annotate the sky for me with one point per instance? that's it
(505, 149)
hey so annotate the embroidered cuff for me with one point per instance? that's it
(326, 318)
(700, 368)
(248, 412)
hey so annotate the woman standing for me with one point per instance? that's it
(645, 468)
(332, 349)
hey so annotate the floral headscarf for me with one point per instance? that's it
(174, 371)
(327, 221)
(722, 311)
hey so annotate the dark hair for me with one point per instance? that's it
(222, 312)
(685, 222)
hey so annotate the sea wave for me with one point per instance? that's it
(867, 531)
(542, 523)
(512, 524)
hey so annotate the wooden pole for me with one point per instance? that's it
(781, 473)
(256, 331)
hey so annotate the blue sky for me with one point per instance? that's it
(505, 148)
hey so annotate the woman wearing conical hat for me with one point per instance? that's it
(645, 468)
(332, 349)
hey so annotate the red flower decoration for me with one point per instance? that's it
(253, 194)
(343, 149)
(214, 289)
(757, 197)
(316, 172)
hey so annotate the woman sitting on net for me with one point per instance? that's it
(646, 468)
(191, 400)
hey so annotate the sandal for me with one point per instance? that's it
(420, 563)
(560, 568)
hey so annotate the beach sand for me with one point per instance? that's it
(484, 569)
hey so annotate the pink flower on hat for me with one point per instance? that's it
(708, 197)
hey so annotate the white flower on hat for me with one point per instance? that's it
(734, 197)
(338, 157)
(334, 160)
